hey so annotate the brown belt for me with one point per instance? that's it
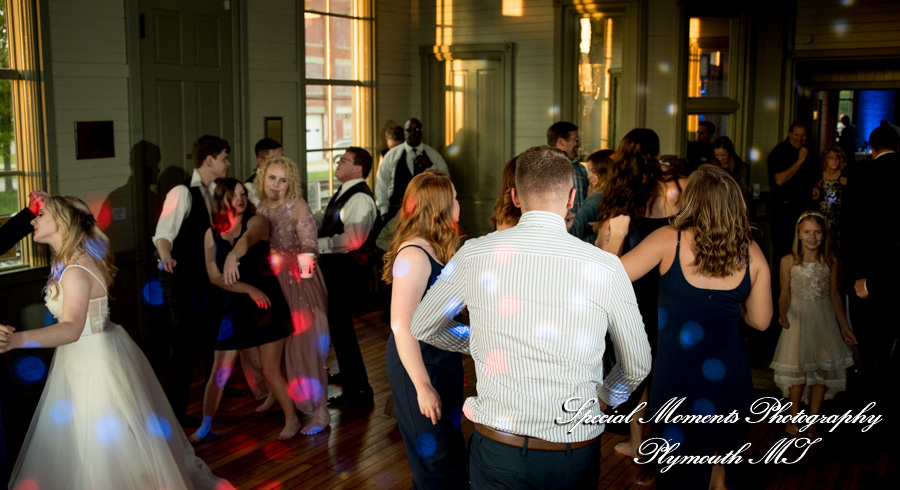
(532, 443)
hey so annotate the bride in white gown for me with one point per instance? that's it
(103, 420)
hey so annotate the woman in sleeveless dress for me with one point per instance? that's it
(639, 188)
(255, 315)
(103, 420)
(293, 239)
(709, 267)
(426, 382)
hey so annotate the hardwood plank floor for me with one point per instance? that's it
(363, 448)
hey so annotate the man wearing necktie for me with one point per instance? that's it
(343, 236)
(393, 176)
(179, 245)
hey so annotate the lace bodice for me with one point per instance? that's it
(97, 319)
(810, 281)
(292, 230)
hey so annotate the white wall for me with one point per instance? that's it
(89, 82)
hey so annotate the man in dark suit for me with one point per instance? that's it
(872, 248)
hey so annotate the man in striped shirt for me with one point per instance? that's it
(540, 303)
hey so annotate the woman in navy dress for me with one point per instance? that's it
(709, 267)
(426, 382)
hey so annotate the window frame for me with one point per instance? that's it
(25, 71)
(364, 127)
(731, 106)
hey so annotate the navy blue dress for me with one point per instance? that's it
(435, 452)
(244, 324)
(700, 356)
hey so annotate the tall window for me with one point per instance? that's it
(21, 121)
(599, 75)
(339, 80)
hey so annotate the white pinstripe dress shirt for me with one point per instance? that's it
(540, 304)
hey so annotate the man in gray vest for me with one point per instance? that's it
(393, 176)
(343, 234)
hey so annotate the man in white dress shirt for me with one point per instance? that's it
(540, 303)
(394, 177)
(179, 244)
(343, 235)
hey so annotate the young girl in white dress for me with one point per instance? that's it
(811, 357)
(103, 420)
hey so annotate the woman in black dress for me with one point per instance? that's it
(255, 313)
(640, 189)
(708, 267)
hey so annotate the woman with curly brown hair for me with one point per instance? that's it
(426, 382)
(639, 188)
(703, 288)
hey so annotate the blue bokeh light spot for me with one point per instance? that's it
(713, 369)
(426, 445)
(461, 331)
(452, 307)
(702, 406)
(30, 345)
(662, 318)
(108, 429)
(153, 293)
(222, 376)
(226, 329)
(673, 434)
(31, 369)
(61, 412)
(448, 270)
(456, 416)
(324, 343)
(691, 334)
(49, 319)
(401, 267)
(489, 282)
(159, 426)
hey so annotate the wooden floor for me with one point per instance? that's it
(363, 448)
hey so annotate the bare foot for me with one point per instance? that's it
(626, 449)
(267, 403)
(812, 433)
(290, 430)
(792, 429)
(195, 438)
(318, 424)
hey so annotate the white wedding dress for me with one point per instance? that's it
(103, 421)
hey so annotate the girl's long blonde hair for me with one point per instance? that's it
(427, 213)
(80, 236)
(291, 173)
(712, 205)
(824, 251)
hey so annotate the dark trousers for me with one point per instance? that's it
(493, 465)
(194, 328)
(436, 453)
(343, 281)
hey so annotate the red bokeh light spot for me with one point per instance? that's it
(28, 484)
(509, 305)
(276, 450)
(104, 216)
(504, 253)
(495, 363)
(302, 320)
(276, 262)
(410, 206)
(224, 486)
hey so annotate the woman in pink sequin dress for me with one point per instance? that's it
(293, 239)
